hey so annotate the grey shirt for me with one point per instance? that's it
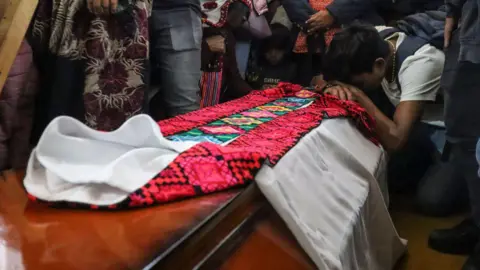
(468, 11)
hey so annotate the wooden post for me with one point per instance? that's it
(15, 16)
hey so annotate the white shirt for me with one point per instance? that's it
(419, 78)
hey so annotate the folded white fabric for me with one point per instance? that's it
(326, 190)
(75, 163)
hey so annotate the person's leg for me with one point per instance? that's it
(176, 42)
(478, 156)
(460, 82)
(20, 141)
(462, 238)
(443, 190)
(470, 168)
(473, 261)
(408, 166)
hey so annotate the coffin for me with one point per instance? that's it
(318, 193)
(231, 230)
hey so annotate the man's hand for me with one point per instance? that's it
(318, 82)
(343, 91)
(216, 44)
(450, 25)
(319, 20)
(104, 7)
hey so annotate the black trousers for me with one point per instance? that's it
(447, 187)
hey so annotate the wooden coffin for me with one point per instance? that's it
(230, 230)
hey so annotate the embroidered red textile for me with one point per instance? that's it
(198, 118)
(209, 167)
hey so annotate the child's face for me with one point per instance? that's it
(274, 56)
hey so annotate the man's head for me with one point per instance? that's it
(237, 14)
(357, 55)
(275, 47)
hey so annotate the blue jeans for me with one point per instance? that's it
(478, 155)
(176, 38)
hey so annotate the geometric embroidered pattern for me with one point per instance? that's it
(203, 138)
(216, 130)
(272, 123)
(242, 121)
(274, 108)
(222, 130)
(259, 114)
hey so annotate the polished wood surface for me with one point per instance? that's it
(269, 246)
(200, 249)
(236, 230)
(15, 16)
(34, 236)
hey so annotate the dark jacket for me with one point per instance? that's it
(469, 27)
(345, 11)
(233, 85)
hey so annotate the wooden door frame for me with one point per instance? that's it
(14, 21)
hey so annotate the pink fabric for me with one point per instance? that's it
(258, 26)
(16, 110)
(260, 6)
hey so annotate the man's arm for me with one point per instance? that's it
(237, 86)
(345, 11)
(393, 134)
(420, 82)
(454, 10)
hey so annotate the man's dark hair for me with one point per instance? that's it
(353, 51)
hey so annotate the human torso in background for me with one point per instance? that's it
(470, 32)
(268, 76)
(419, 78)
(233, 85)
(301, 43)
(17, 109)
(170, 4)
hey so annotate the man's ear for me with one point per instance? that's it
(380, 64)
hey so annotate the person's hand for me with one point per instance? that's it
(318, 82)
(450, 25)
(102, 7)
(319, 20)
(343, 91)
(216, 44)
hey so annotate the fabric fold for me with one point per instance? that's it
(73, 162)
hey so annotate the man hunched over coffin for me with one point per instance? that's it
(396, 77)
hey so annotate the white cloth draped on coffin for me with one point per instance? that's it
(327, 190)
(75, 163)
